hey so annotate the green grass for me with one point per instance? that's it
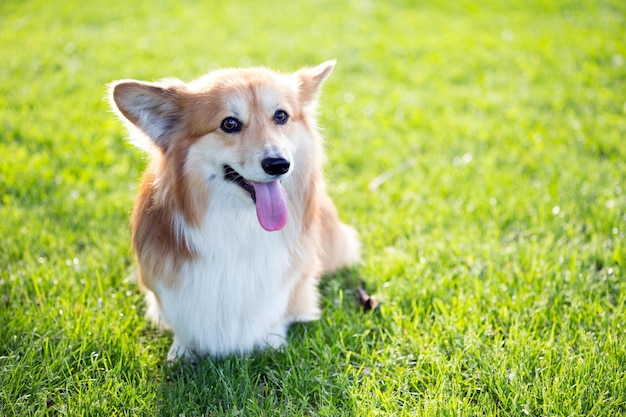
(478, 147)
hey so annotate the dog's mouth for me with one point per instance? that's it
(233, 176)
(268, 197)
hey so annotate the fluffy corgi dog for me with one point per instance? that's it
(232, 226)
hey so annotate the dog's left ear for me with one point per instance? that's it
(311, 79)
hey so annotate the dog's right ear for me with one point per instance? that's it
(310, 80)
(154, 109)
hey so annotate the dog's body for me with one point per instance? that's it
(232, 226)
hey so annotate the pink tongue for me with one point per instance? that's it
(271, 207)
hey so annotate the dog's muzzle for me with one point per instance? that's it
(269, 197)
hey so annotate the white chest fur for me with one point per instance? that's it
(234, 297)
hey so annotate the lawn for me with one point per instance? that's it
(478, 147)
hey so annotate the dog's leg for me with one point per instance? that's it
(340, 242)
(277, 338)
(153, 313)
(303, 305)
(179, 352)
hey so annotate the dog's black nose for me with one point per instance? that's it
(275, 166)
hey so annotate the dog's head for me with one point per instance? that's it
(249, 127)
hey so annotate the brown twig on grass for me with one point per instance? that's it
(367, 302)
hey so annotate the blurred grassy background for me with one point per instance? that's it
(478, 148)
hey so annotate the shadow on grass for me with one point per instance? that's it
(310, 376)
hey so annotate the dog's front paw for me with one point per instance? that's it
(303, 316)
(179, 352)
(276, 338)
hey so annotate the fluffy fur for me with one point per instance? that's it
(212, 273)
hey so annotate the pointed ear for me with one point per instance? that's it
(153, 108)
(311, 79)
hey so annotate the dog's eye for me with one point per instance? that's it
(280, 117)
(230, 125)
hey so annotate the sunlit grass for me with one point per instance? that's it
(478, 148)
